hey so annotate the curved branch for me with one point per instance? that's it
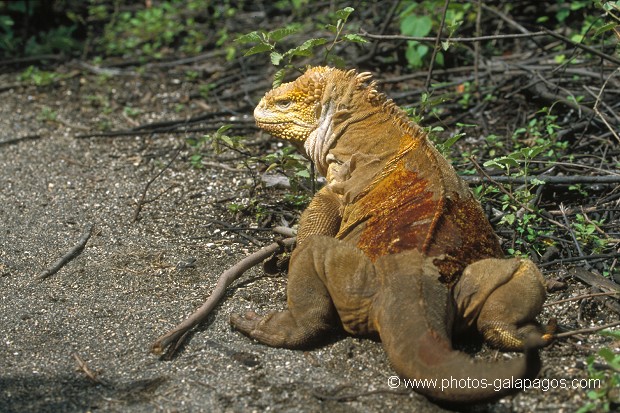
(172, 340)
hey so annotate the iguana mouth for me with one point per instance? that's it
(264, 122)
(284, 123)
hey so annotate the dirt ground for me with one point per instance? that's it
(79, 340)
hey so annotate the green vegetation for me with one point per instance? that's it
(607, 376)
(285, 162)
(268, 41)
(39, 77)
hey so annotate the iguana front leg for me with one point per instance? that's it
(310, 309)
(318, 267)
(502, 297)
(322, 217)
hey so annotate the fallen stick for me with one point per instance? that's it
(19, 139)
(73, 252)
(586, 330)
(87, 371)
(547, 179)
(173, 339)
(580, 297)
(142, 201)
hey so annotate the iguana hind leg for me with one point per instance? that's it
(318, 266)
(502, 297)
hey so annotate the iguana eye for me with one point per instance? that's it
(284, 103)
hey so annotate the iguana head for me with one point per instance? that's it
(317, 109)
(292, 110)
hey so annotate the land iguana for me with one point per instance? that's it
(394, 244)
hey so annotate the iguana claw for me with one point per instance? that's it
(245, 323)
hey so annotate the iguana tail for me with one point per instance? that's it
(414, 316)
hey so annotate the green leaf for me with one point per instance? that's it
(278, 77)
(439, 59)
(529, 153)
(611, 358)
(276, 58)
(223, 129)
(305, 49)
(259, 48)
(6, 21)
(343, 14)
(332, 28)
(605, 28)
(356, 38)
(271, 167)
(304, 173)
(509, 219)
(416, 26)
(501, 162)
(249, 38)
(413, 55)
(279, 34)
(227, 140)
(452, 140)
(611, 333)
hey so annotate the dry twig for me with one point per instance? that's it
(587, 330)
(19, 139)
(142, 201)
(547, 179)
(581, 297)
(437, 43)
(598, 112)
(84, 367)
(73, 252)
(173, 339)
(449, 39)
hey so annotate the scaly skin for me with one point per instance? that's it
(395, 244)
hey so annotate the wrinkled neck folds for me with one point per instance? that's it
(342, 101)
(322, 138)
(346, 101)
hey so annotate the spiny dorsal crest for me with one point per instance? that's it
(311, 87)
(312, 83)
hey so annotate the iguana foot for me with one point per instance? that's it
(245, 323)
(313, 311)
(502, 297)
(273, 329)
(508, 337)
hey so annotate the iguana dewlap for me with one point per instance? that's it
(394, 244)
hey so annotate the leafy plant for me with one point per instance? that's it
(415, 25)
(47, 114)
(417, 19)
(290, 163)
(131, 111)
(268, 42)
(18, 36)
(586, 232)
(520, 213)
(38, 77)
(7, 39)
(218, 142)
(605, 380)
(59, 39)
(154, 30)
